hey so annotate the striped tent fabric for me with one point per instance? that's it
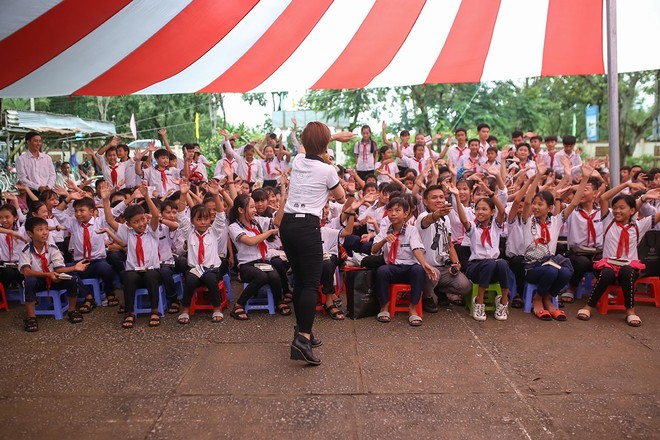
(120, 47)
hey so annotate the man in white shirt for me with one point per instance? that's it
(568, 153)
(34, 168)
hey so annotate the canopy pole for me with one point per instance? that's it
(613, 93)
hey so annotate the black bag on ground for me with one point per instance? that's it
(648, 253)
(361, 297)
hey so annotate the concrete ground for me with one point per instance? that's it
(450, 378)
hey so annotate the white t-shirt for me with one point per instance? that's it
(310, 184)
(436, 239)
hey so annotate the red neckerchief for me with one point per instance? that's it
(10, 246)
(249, 171)
(263, 247)
(200, 250)
(485, 236)
(44, 263)
(591, 228)
(87, 242)
(545, 230)
(624, 240)
(419, 164)
(113, 174)
(139, 250)
(461, 151)
(163, 179)
(268, 161)
(394, 247)
(364, 151)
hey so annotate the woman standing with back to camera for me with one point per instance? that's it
(311, 182)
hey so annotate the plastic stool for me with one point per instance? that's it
(402, 304)
(649, 297)
(263, 300)
(201, 299)
(97, 289)
(528, 294)
(604, 302)
(142, 304)
(59, 306)
(15, 294)
(178, 281)
(585, 287)
(3, 299)
(492, 291)
(226, 278)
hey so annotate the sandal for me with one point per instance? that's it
(217, 317)
(384, 317)
(558, 315)
(283, 309)
(239, 313)
(175, 307)
(633, 321)
(287, 297)
(30, 324)
(121, 309)
(87, 306)
(112, 300)
(337, 315)
(414, 320)
(517, 302)
(583, 315)
(74, 317)
(567, 297)
(183, 319)
(543, 315)
(337, 301)
(154, 320)
(129, 321)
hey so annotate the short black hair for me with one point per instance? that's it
(32, 222)
(458, 130)
(85, 202)
(568, 140)
(30, 134)
(551, 138)
(132, 211)
(516, 133)
(161, 152)
(482, 125)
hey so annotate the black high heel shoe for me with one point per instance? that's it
(316, 342)
(301, 350)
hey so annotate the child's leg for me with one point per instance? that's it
(627, 278)
(581, 265)
(562, 277)
(166, 273)
(517, 265)
(151, 279)
(279, 266)
(192, 283)
(255, 279)
(31, 286)
(132, 281)
(502, 273)
(274, 281)
(481, 272)
(416, 276)
(71, 287)
(328, 278)
(210, 280)
(605, 278)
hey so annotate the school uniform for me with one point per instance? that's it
(516, 244)
(142, 264)
(391, 168)
(466, 161)
(115, 174)
(437, 242)
(415, 163)
(585, 241)
(203, 256)
(573, 158)
(162, 179)
(331, 238)
(219, 173)
(247, 256)
(484, 267)
(251, 172)
(455, 153)
(168, 263)
(620, 241)
(43, 260)
(269, 171)
(197, 172)
(10, 247)
(365, 154)
(401, 265)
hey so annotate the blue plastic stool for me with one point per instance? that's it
(585, 286)
(15, 294)
(227, 280)
(178, 281)
(142, 304)
(59, 306)
(528, 294)
(97, 289)
(263, 300)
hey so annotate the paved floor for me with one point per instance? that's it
(451, 378)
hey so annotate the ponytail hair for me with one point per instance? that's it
(373, 144)
(241, 201)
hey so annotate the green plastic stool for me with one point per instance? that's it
(491, 293)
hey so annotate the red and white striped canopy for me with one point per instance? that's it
(119, 47)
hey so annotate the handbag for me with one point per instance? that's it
(537, 252)
(361, 295)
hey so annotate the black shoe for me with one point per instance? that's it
(443, 301)
(428, 305)
(301, 350)
(316, 342)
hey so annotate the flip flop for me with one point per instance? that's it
(183, 319)
(543, 315)
(558, 315)
(384, 317)
(567, 297)
(583, 315)
(217, 317)
(633, 320)
(414, 320)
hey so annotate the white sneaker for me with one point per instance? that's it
(479, 310)
(501, 310)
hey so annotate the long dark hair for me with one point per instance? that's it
(241, 201)
(371, 141)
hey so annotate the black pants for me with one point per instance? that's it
(281, 268)
(10, 276)
(328, 275)
(627, 277)
(135, 280)
(301, 239)
(463, 253)
(517, 266)
(209, 280)
(117, 259)
(581, 265)
(257, 278)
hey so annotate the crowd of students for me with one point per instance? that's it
(439, 219)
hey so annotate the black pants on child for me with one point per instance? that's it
(100, 269)
(517, 265)
(210, 280)
(32, 285)
(627, 277)
(581, 265)
(488, 271)
(281, 268)
(135, 280)
(256, 278)
(10, 276)
(328, 275)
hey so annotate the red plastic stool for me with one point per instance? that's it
(650, 297)
(3, 299)
(402, 304)
(202, 301)
(604, 302)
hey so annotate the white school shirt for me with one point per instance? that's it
(516, 242)
(466, 159)
(533, 230)
(210, 238)
(166, 238)
(330, 237)
(54, 236)
(578, 229)
(154, 177)
(270, 168)
(486, 252)
(11, 255)
(310, 184)
(456, 153)
(409, 241)
(120, 168)
(415, 164)
(67, 219)
(256, 169)
(199, 168)
(365, 157)
(438, 236)
(149, 246)
(246, 253)
(574, 158)
(391, 168)
(219, 172)
(27, 258)
(612, 233)
(35, 171)
(132, 179)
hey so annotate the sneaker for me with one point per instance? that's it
(479, 313)
(501, 310)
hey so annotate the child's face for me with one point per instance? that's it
(536, 144)
(387, 154)
(484, 133)
(42, 212)
(625, 175)
(461, 137)
(272, 200)
(138, 223)
(474, 148)
(405, 139)
(111, 157)
(384, 198)
(7, 219)
(366, 134)
(478, 194)
(261, 206)
(83, 214)
(249, 155)
(522, 153)
(492, 156)
(540, 208)
(168, 213)
(409, 183)
(370, 178)
(250, 210)
(370, 191)
(483, 213)
(517, 140)
(269, 152)
(122, 154)
(39, 234)
(622, 212)
(245, 188)
(397, 215)
(419, 150)
(493, 143)
(588, 194)
(201, 222)
(419, 140)
(551, 145)
(463, 192)
(568, 149)
(211, 206)
(52, 202)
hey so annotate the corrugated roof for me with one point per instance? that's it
(63, 124)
